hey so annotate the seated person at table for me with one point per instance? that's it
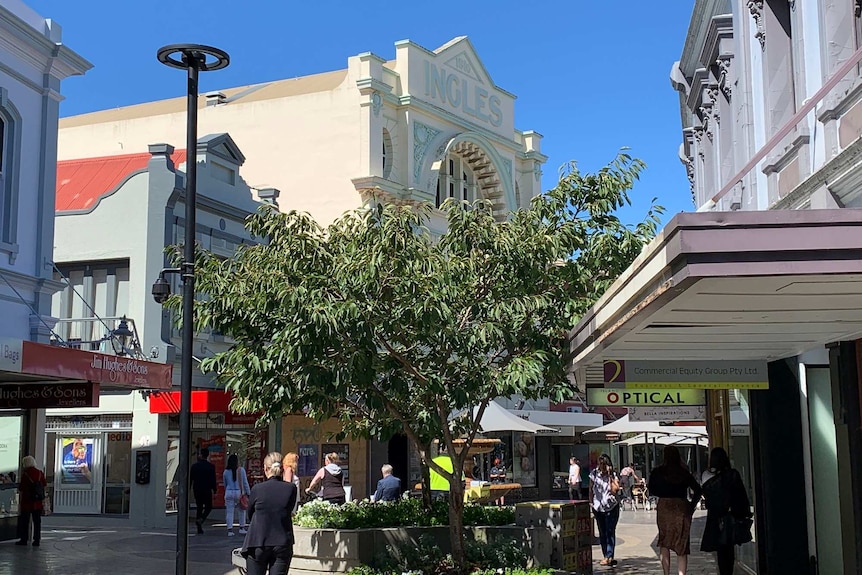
(388, 488)
(498, 472)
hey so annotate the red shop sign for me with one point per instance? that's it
(109, 370)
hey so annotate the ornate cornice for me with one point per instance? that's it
(756, 9)
(723, 63)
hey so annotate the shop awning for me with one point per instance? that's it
(731, 285)
(664, 440)
(498, 418)
(35, 375)
(203, 401)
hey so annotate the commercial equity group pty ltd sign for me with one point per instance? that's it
(671, 374)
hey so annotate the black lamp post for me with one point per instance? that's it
(194, 58)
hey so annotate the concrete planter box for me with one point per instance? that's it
(339, 550)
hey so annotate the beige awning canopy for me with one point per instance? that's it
(731, 285)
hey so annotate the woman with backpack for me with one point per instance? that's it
(31, 494)
(728, 511)
(604, 500)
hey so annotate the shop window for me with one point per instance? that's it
(517, 452)
(11, 452)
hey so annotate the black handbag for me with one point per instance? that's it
(734, 531)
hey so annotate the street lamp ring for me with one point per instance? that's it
(208, 57)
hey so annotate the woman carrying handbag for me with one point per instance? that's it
(236, 490)
(728, 512)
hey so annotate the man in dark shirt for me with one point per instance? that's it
(204, 486)
(388, 488)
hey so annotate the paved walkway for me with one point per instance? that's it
(107, 546)
(636, 551)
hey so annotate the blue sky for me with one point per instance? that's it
(590, 75)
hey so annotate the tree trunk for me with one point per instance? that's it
(456, 524)
(426, 484)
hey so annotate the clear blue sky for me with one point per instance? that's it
(590, 75)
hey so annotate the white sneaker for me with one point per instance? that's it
(242, 531)
(231, 534)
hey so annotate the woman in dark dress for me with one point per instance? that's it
(671, 483)
(725, 495)
(268, 545)
(331, 480)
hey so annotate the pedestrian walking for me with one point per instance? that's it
(726, 503)
(236, 491)
(671, 483)
(604, 500)
(290, 464)
(331, 480)
(268, 545)
(628, 479)
(389, 487)
(574, 478)
(31, 495)
(204, 486)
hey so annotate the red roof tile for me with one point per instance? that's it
(82, 183)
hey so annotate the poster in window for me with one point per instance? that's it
(308, 458)
(343, 451)
(76, 468)
(524, 459)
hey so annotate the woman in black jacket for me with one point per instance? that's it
(725, 498)
(268, 545)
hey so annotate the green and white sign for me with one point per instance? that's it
(622, 397)
(683, 413)
(671, 374)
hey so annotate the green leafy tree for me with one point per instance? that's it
(375, 322)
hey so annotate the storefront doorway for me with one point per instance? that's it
(89, 463)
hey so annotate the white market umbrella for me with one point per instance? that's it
(660, 440)
(624, 425)
(498, 418)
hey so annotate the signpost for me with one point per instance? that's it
(623, 397)
(671, 374)
(685, 413)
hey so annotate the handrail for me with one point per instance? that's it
(809, 105)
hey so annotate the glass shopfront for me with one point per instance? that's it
(741, 459)
(89, 463)
(11, 451)
(224, 434)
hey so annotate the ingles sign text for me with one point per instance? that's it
(459, 92)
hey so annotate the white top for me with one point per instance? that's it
(574, 474)
(241, 483)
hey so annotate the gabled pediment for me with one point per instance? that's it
(460, 56)
(222, 146)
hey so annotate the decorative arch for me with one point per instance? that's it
(492, 172)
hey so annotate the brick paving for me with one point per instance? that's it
(107, 546)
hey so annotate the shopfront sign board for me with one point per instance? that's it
(42, 395)
(10, 354)
(623, 397)
(672, 374)
(683, 413)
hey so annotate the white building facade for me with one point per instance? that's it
(425, 126)
(771, 108)
(33, 63)
(115, 216)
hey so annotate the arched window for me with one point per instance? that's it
(387, 154)
(456, 180)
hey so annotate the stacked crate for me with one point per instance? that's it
(571, 530)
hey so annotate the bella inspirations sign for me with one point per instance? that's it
(670, 374)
